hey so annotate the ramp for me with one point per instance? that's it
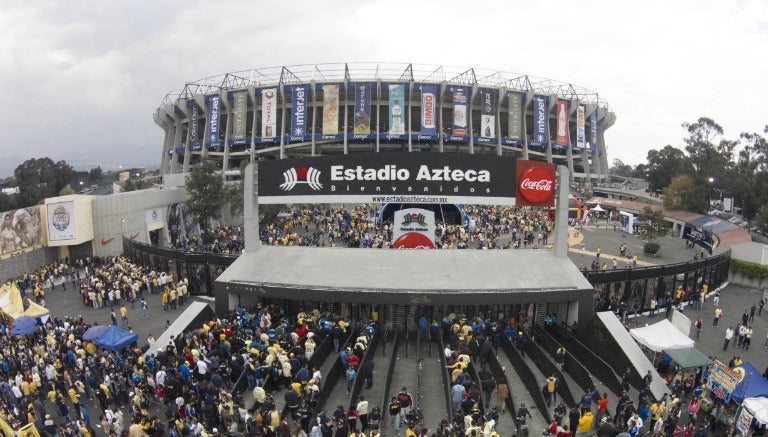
(193, 317)
(633, 352)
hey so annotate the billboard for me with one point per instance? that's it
(153, 218)
(723, 380)
(562, 123)
(413, 228)
(515, 116)
(540, 134)
(487, 114)
(269, 113)
(362, 120)
(214, 108)
(580, 133)
(397, 109)
(593, 132)
(21, 228)
(459, 112)
(299, 112)
(429, 109)
(390, 177)
(535, 183)
(61, 221)
(330, 109)
(239, 114)
(194, 122)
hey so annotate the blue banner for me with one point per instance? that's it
(593, 129)
(396, 110)
(459, 112)
(540, 134)
(362, 120)
(214, 104)
(299, 112)
(429, 111)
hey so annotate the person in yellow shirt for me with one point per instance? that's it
(73, 396)
(124, 315)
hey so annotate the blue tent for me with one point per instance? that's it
(24, 325)
(115, 339)
(94, 332)
(753, 385)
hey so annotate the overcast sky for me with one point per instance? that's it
(79, 80)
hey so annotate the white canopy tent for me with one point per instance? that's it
(598, 208)
(661, 336)
(758, 407)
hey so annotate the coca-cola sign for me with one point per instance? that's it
(535, 183)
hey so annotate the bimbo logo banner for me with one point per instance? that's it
(562, 123)
(535, 183)
(515, 116)
(487, 114)
(429, 109)
(269, 113)
(397, 110)
(593, 129)
(362, 120)
(540, 134)
(459, 112)
(389, 178)
(194, 122)
(214, 106)
(414, 228)
(330, 109)
(580, 133)
(299, 112)
(238, 115)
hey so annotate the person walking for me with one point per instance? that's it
(143, 306)
(113, 317)
(718, 316)
(124, 315)
(728, 337)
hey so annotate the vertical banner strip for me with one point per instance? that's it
(562, 123)
(299, 112)
(268, 113)
(580, 134)
(487, 114)
(459, 112)
(194, 122)
(362, 120)
(214, 103)
(515, 116)
(540, 134)
(396, 109)
(593, 136)
(330, 109)
(239, 115)
(429, 109)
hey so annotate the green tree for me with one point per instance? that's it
(94, 175)
(206, 194)
(749, 183)
(38, 178)
(7, 202)
(664, 165)
(620, 169)
(66, 191)
(655, 225)
(761, 218)
(234, 192)
(684, 194)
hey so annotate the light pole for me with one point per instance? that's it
(122, 234)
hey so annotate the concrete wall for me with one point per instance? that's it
(26, 262)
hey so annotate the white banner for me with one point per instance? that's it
(153, 218)
(414, 228)
(61, 221)
(269, 113)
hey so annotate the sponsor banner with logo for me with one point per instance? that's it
(562, 123)
(593, 133)
(515, 116)
(239, 115)
(330, 110)
(362, 119)
(269, 113)
(154, 218)
(194, 122)
(20, 229)
(61, 221)
(389, 177)
(723, 380)
(487, 114)
(744, 420)
(214, 109)
(414, 228)
(429, 109)
(540, 134)
(397, 109)
(580, 133)
(460, 113)
(300, 95)
(535, 183)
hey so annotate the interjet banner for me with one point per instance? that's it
(397, 109)
(413, 228)
(299, 112)
(330, 109)
(194, 122)
(459, 112)
(239, 114)
(268, 113)
(593, 129)
(389, 177)
(540, 134)
(429, 109)
(515, 116)
(580, 133)
(487, 114)
(562, 123)
(362, 120)
(214, 107)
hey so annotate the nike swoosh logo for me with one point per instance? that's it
(105, 241)
(133, 236)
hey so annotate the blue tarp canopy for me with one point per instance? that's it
(94, 332)
(24, 325)
(712, 224)
(753, 385)
(115, 339)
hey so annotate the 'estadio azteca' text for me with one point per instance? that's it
(392, 173)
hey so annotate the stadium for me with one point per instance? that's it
(326, 109)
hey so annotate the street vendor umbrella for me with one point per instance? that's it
(94, 332)
(24, 325)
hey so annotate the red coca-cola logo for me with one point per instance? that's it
(536, 185)
(413, 240)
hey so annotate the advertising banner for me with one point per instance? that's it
(487, 114)
(429, 109)
(214, 108)
(535, 183)
(21, 228)
(397, 109)
(459, 112)
(515, 116)
(562, 123)
(153, 218)
(239, 115)
(330, 109)
(362, 122)
(389, 177)
(61, 221)
(540, 134)
(593, 133)
(580, 133)
(414, 228)
(299, 112)
(744, 421)
(194, 122)
(723, 381)
(269, 113)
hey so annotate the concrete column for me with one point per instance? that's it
(227, 133)
(251, 207)
(561, 214)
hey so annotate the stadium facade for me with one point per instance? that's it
(326, 109)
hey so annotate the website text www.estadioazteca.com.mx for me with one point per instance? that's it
(408, 199)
